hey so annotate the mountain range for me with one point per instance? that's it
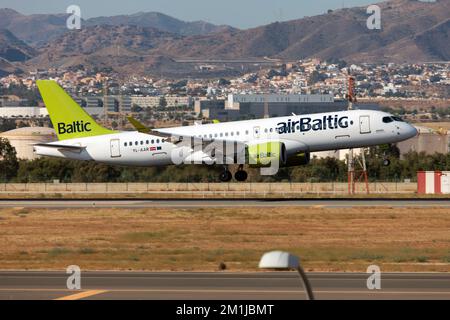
(412, 31)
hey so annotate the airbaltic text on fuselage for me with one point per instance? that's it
(307, 124)
(74, 127)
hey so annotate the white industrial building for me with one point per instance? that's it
(37, 112)
(23, 139)
(154, 101)
(234, 100)
(23, 112)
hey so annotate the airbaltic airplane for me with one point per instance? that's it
(286, 140)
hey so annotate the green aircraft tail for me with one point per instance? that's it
(68, 118)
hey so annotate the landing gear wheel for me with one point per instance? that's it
(225, 176)
(241, 175)
(386, 162)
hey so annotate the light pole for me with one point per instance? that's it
(285, 260)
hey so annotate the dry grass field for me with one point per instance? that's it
(327, 239)
(435, 125)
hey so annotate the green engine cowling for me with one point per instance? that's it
(298, 159)
(264, 154)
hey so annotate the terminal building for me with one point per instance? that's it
(428, 141)
(256, 106)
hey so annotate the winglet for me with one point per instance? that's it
(138, 126)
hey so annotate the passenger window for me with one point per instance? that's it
(221, 134)
(125, 144)
(232, 133)
(136, 143)
(147, 142)
(142, 143)
(157, 140)
(153, 141)
(237, 133)
(387, 119)
(226, 134)
(246, 132)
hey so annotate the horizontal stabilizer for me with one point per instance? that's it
(61, 147)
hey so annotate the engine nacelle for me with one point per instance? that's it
(298, 159)
(264, 154)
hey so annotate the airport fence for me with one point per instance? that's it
(282, 189)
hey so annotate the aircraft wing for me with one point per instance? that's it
(144, 129)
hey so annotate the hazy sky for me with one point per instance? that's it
(237, 13)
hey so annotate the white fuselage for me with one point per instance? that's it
(310, 133)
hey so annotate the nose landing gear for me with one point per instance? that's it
(225, 175)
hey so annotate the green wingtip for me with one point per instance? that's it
(138, 126)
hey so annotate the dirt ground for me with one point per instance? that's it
(326, 239)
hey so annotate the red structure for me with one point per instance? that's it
(433, 182)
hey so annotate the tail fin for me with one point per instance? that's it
(68, 118)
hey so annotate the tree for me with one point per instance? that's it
(8, 161)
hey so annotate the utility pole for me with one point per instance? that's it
(353, 175)
(105, 101)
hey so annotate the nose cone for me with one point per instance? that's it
(410, 131)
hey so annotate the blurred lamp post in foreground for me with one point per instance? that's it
(284, 260)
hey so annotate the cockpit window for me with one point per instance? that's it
(398, 119)
(387, 119)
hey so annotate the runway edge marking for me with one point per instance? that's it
(82, 295)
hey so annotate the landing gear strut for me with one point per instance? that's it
(241, 175)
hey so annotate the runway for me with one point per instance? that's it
(213, 286)
(211, 203)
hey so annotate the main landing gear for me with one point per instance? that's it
(240, 175)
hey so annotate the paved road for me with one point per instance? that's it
(206, 203)
(264, 285)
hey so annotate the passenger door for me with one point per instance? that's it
(364, 124)
(115, 148)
